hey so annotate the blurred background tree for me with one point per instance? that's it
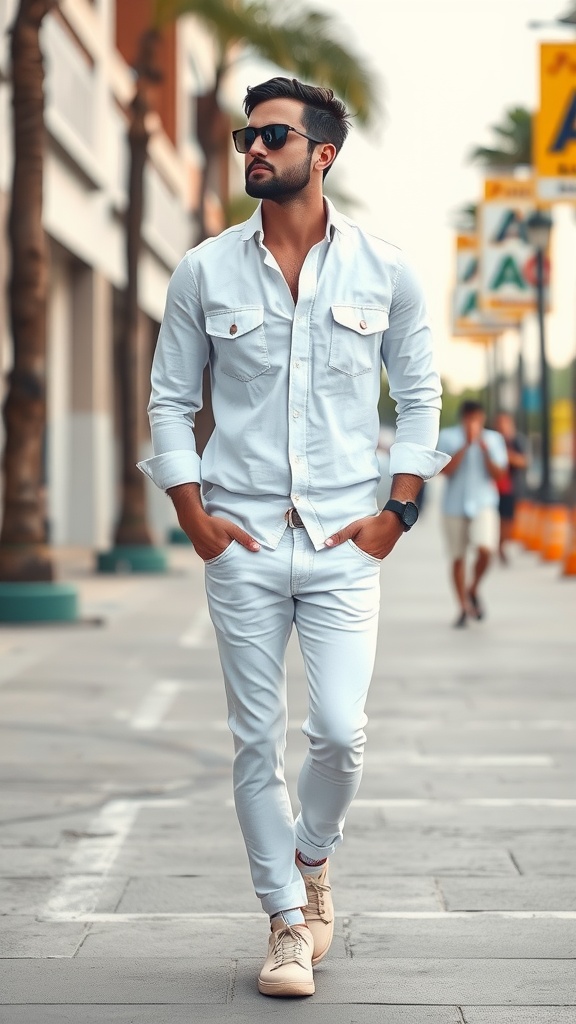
(513, 143)
(24, 552)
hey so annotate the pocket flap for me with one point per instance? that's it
(362, 319)
(233, 323)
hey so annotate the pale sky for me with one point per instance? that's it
(449, 69)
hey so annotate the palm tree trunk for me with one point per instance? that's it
(132, 526)
(24, 554)
(214, 138)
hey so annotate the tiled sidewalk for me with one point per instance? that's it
(125, 889)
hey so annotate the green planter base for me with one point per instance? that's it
(177, 536)
(132, 558)
(38, 602)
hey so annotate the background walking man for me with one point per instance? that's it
(470, 503)
(295, 311)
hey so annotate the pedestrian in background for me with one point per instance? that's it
(510, 483)
(295, 311)
(470, 502)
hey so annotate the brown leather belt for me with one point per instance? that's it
(293, 519)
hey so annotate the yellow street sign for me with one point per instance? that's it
(498, 190)
(554, 150)
(507, 285)
(469, 321)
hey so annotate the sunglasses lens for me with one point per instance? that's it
(244, 139)
(274, 135)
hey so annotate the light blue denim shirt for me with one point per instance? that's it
(295, 388)
(471, 488)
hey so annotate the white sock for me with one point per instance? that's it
(309, 869)
(290, 917)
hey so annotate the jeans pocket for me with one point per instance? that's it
(220, 558)
(369, 558)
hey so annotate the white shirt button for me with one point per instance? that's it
(296, 364)
(295, 414)
(296, 497)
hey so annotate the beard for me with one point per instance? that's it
(280, 188)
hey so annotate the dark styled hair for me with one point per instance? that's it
(468, 407)
(324, 117)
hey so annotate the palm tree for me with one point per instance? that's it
(24, 553)
(303, 43)
(132, 528)
(513, 143)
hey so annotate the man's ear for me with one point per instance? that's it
(326, 156)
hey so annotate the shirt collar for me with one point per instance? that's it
(334, 222)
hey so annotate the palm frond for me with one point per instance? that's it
(303, 42)
(465, 217)
(515, 131)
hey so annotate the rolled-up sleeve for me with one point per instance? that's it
(181, 354)
(414, 383)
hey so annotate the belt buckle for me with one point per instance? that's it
(289, 519)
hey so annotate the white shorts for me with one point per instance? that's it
(480, 532)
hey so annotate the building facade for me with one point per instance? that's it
(89, 47)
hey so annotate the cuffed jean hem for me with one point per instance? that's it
(291, 896)
(315, 852)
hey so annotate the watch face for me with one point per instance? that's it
(410, 514)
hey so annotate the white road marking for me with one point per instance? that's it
(155, 705)
(536, 760)
(413, 915)
(517, 724)
(78, 891)
(480, 761)
(394, 802)
(462, 724)
(194, 725)
(512, 801)
(197, 633)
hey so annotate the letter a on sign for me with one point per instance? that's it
(567, 130)
(508, 273)
(509, 227)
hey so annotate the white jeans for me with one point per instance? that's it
(332, 597)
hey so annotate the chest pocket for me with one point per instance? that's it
(239, 341)
(355, 341)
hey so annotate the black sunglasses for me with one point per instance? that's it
(273, 136)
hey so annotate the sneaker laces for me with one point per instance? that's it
(315, 892)
(287, 947)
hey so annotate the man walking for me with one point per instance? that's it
(294, 311)
(471, 501)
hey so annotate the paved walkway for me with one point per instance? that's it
(124, 885)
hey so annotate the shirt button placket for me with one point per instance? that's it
(298, 385)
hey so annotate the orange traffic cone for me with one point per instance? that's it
(521, 520)
(556, 521)
(569, 568)
(533, 540)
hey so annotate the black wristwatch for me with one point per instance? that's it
(406, 511)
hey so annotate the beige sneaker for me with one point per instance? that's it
(319, 911)
(287, 970)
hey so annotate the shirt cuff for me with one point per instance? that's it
(173, 468)
(416, 459)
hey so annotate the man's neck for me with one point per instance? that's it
(298, 224)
